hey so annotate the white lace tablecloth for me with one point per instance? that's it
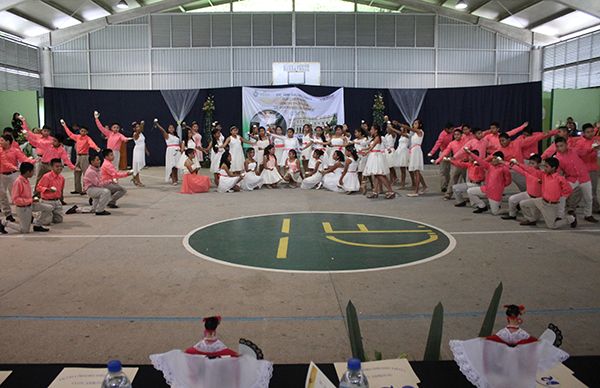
(182, 370)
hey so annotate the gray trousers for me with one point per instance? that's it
(475, 197)
(535, 208)
(444, 174)
(81, 164)
(519, 180)
(100, 196)
(117, 159)
(460, 189)
(457, 175)
(6, 182)
(55, 216)
(514, 200)
(24, 216)
(581, 192)
(117, 191)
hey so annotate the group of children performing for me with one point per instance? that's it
(96, 175)
(335, 161)
(474, 165)
(477, 165)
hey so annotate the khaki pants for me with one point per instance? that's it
(444, 174)
(475, 197)
(55, 216)
(117, 191)
(117, 154)
(24, 216)
(515, 200)
(6, 182)
(581, 191)
(100, 197)
(595, 203)
(81, 164)
(460, 189)
(457, 175)
(535, 208)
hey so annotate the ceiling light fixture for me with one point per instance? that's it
(461, 4)
(122, 4)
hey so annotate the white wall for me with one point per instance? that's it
(237, 49)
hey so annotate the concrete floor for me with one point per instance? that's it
(123, 286)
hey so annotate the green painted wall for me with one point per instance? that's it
(547, 113)
(24, 102)
(581, 104)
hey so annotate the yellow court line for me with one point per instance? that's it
(432, 237)
(363, 229)
(285, 226)
(282, 248)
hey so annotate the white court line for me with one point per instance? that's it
(183, 235)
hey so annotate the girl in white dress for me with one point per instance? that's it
(361, 143)
(376, 166)
(293, 173)
(389, 142)
(216, 151)
(402, 152)
(319, 141)
(172, 152)
(228, 180)
(333, 173)
(307, 142)
(277, 139)
(415, 162)
(139, 152)
(337, 142)
(197, 137)
(235, 141)
(253, 137)
(252, 178)
(269, 172)
(290, 142)
(261, 144)
(314, 174)
(349, 179)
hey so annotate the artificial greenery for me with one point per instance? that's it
(378, 109)
(209, 109)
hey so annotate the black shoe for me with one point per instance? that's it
(75, 192)
(103, 213)
(444, 190)
(519, 207)
(112, 206)
(480, 210)
(591, 219)
(507, 217)
(83, 193)
(2, 229)
(574, 223)
(62, 202)
(10, 218)
(72, 210)
(528, 223)
(462, 204)
(40, 229)
(90, 201)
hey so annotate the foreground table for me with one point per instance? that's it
(432, 374)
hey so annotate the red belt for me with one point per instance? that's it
(279, 145)
(173, 145)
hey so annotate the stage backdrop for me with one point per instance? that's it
(290, 108)
(510, 105)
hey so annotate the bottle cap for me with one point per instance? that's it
(114, 366)
(354, 364)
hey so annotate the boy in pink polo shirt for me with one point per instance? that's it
(51, 187)
(114, 138)
(497, 178)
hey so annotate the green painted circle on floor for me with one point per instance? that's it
(319, 242)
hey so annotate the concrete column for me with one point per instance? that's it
(46, 73)
(535, 64)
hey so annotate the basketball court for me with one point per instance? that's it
(280, 266)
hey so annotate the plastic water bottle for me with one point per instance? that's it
(115, 378)
(354, 376)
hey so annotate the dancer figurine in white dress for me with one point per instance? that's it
(234, 141)
(314, 174)
(510, 358)
(172, 152)
(376, 166)
(139, 152)
(211, 345)
(415, 162)
(252, 179)
(228, 180)
(349, 179)
(216, 151)
(333, 173)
